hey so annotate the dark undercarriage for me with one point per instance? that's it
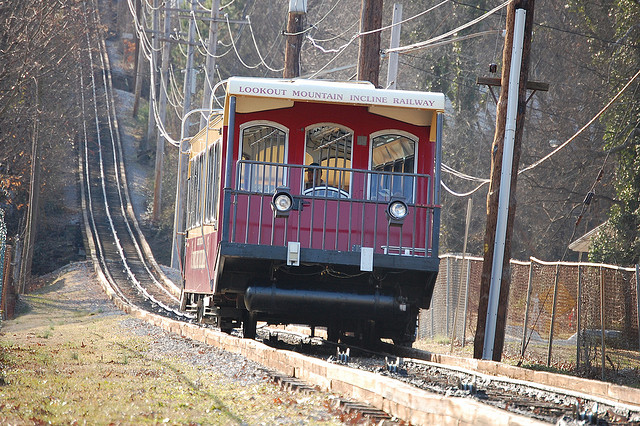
(350, 303)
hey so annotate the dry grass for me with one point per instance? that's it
(63, 365)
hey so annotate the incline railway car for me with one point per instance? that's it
(315, 202)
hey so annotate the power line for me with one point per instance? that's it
(423, 44)
(563, 145)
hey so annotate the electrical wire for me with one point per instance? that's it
(255, 44)
(572, 138)
(560, 147)
(313, 26)
(423, 44)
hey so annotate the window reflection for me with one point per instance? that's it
(328, 155)
(393, 156)
(267, 144)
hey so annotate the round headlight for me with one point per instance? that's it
(398, 209)
(282, 202)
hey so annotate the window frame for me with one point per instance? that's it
(350, 159)
(256, 123)
(414, 138)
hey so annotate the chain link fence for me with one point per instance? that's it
(572, 316)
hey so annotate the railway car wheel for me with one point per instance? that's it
(333, 333)
(249, 323)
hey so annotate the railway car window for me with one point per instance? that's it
(392, 160)
(262, 146)
(194, 192)
(213, 182)
(328, 148)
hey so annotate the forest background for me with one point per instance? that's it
(585, 50)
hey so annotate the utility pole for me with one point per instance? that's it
(151, 120)
(162, 115)
(392, 71)
(210, 65)
(293, 38)
(34, 198)
(183, 156)
(137, 84)
(501, 202)
(369, 53)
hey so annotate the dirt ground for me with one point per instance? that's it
(70, 357)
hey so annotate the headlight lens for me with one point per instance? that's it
(282, 202)
(398, 209)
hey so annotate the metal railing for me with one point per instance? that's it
(344, 213)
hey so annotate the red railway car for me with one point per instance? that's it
(315, 202)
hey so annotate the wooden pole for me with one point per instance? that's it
(162, 115)
(210, 63)
(34, 198)
(369, 53)
(139, 58)
(183, 157)
(153, 68)
(494, 185)
(293, 38)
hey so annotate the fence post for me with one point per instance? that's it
(466, 302)
(447, 296)
(432, 318)
(553, 313)
(3, 245)
(638, 300)
(578, 317)
(526, 309)
(602, 318)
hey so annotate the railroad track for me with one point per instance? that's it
(114, 234)
(546, 403)
(137, 281)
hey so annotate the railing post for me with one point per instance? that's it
(436, 185)
(231, 130)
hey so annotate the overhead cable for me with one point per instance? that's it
(423, 44)
(572, 138)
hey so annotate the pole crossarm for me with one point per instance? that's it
(497, 82)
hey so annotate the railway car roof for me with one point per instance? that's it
(352, 93)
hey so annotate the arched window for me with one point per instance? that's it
(264, 146)
(328, 150)
(393, 160)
